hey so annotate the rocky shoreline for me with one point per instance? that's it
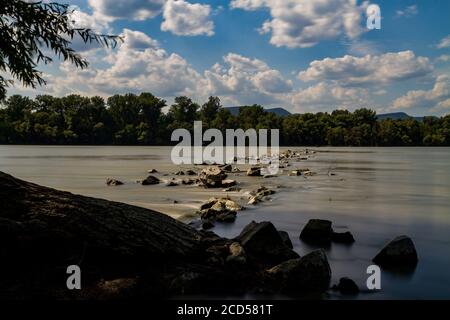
(126, 251)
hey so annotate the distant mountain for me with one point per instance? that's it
(397, 116)
(278, 111)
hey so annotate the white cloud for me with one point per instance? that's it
(443, 58)
(407, 12)
(186, 19)
(139, 64)
(436, 98)
(325, 97)
(126, 9)
(245, 80)
(381, 69)
(304, 23)
(444, 43)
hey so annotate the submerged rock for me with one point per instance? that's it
(254, 172)
(317, 231)
(344, 237)
(400, 252)
(113, 182)
(228, 183)
(150, 180)
(310, 273)
(191, 172)
(222, 210)
(232, 189)
(260, 195)
(346, 286)
(263, 240)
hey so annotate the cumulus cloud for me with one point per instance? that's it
(407, 12)
(186, 19)
(139, 64)
(304, 23)
(127, 9)
(444, 43)
(381, 69)
(246, 80)
(325, 96)
(437, 98)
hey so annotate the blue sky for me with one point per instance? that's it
(306, 56)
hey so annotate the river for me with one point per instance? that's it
(376, 193)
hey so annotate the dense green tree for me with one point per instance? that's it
(139, 119)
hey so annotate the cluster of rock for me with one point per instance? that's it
(301, 172)
(215, 177)
(131, 252)
(292, 154)
(218, 209)
(259, 195)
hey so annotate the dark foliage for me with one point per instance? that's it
(32, 30)
(139, 120)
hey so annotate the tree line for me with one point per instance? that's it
(132, 119)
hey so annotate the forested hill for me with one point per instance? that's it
(138, 120)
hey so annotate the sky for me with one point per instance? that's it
(302, 55)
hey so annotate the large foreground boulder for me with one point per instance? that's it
(400, 252)
(263, 240)
(123, 251)
(317, 232)
(310, 273)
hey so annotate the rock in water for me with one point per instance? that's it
(400, 252)
(228, 183)
(254, 172)
(113, 182)
(212, 177)
(263, 240)
(344, 237)
(287, 241)
(310, 273)
(346, 286)
(317, 232)
(150, 180)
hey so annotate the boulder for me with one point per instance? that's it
(212, 177)
(226, 167)
(317, 232)
(286, 239)
(310, 273)
(232, 189)
(113, 182)
(188, 181)
(180, 173)
(346, 286)
(254, 172)
(150, 180)
(172, 184)
(400, 252)
(342, 237)
(152, 171)
(263, 240)
(228, 183)
(191, 172)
